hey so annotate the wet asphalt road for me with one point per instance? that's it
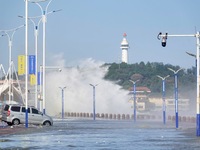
(101, 134)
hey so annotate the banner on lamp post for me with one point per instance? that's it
(32, 79)
(39, 78)
(31, 64)
(21, 65)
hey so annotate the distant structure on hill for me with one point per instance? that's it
(124, 47)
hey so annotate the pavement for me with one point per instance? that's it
(10, 130)
(7, 130)
(16, 129)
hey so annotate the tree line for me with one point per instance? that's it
(147, 73)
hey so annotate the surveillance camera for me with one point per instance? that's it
(164, 38)
(164, 41)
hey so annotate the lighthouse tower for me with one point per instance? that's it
(124, 47)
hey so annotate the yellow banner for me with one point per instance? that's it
(32, 79)
(21, 65)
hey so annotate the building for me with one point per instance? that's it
(141, 97)
(183, 104)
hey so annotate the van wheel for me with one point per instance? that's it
(16, 122)
(47, 123)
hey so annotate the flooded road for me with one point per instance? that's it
(103, 134)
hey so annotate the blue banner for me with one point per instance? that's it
(31, 64)
(39, 78)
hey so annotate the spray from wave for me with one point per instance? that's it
(78, 95)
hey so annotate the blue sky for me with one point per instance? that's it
(94, 29)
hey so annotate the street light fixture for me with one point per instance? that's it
(193, 55)
(36, 28)
(134, 98)
(44, 20)
(63, 106)
(163, 96)
(10, 34)
(176, 92)
(93, 86)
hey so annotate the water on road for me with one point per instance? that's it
(103, 135)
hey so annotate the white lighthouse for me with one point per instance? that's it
(124, 47)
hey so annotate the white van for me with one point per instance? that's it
(14, 114)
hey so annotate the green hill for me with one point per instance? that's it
(147, 75)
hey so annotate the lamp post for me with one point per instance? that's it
(134, 98)
(41, 81)
(36, 28)
(44, 20)
(176, 92)
(197, 36)
(94, 114)
(26, 57)
(26, 63)
(10, 34)
(63, 106)
(163, 96)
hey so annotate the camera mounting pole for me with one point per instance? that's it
(197, 36)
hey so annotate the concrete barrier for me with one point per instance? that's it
(123, 116)
(102, 115)
(169, 117)
(193, 119)
(173, 118)
(106, 116)
(68, 114)
(184, 119)
(91, 115)
(188, 119)
(98, 115)
(129, 116)
(118, 116)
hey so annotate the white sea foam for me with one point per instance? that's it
(78, 96)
